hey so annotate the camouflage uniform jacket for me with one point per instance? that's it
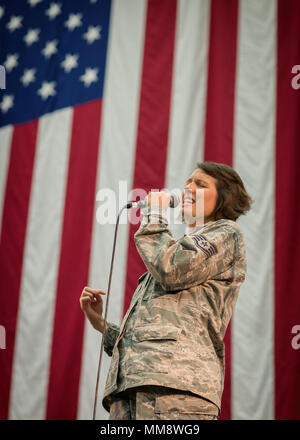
(172, 334)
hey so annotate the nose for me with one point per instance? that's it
(191, 186)
(189, 189)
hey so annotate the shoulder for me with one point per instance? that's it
(221, 231)
(223, 225)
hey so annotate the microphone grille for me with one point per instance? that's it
(175, 200)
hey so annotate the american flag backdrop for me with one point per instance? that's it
(104, 91)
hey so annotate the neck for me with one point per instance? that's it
(193, 227)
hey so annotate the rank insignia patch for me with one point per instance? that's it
(208, 248)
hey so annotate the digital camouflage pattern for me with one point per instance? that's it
(159, 403)
(172, 334)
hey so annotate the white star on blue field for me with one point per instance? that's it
(54, 54)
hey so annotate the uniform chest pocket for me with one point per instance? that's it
(153, 347)
(156, 332)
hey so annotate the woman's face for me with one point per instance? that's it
(199, 198)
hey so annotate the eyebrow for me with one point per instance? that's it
(197, 180)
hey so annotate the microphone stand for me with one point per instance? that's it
(127, 206)
(141, 204)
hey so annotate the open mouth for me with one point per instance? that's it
(187, 201)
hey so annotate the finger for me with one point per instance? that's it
(166, 194)
(85, 302)
(98, 291)
(87, 294)
(93, 297)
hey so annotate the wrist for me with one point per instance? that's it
(99, 325)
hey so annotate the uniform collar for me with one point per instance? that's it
(198, 228)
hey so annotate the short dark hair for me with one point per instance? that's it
(233, 199)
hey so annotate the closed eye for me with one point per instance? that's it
(198, 182)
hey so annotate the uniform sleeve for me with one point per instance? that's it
(110, 338)
(189, 261)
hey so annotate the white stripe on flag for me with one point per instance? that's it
(39, 275)
(253, 370)
(5, 144)
(116, 162)
(186, 137)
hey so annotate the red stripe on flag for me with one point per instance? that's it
(154, 114)
(221, 81)
(14, 223)
(287, 229)
(220, 117)
(67, 342)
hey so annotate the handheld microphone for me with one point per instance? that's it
(174, 201)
